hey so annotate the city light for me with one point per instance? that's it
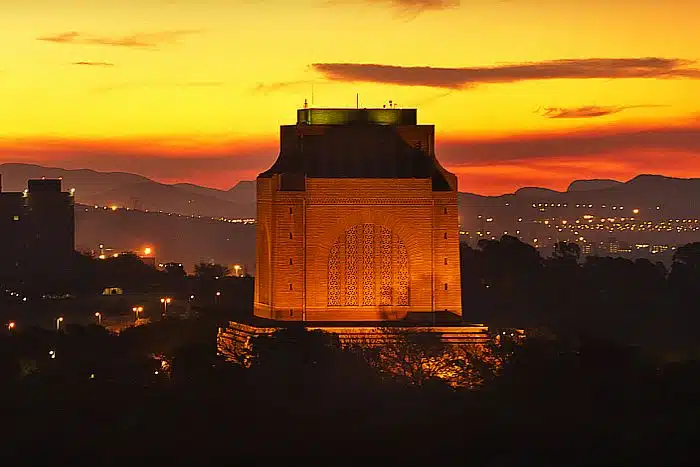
(98, 315)
(59, 320)
(52, 353)
(113, 207)
(137, 309)
(237, 268)
(147, 251)
(11, 326)
(165, 301)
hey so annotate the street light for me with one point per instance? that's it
(216, 297)
(165, 302)
(137, 310)
(237, 268)
(11, 326)
(59, 320)
(98, 315)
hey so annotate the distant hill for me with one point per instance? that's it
(137, 192)
(675, 198)
(653, 198)
(588, 185)
(535, 192)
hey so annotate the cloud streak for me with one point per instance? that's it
(468, 77)
(590, 111)
(266, 88)
(98, 64)
(502, 165)
(142, 40)
(586, 144)
(417, 6)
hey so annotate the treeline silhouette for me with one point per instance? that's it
(508, 283)
(210, 285)
(90, 275)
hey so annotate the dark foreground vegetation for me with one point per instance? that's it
(552, 401)
(590, 385)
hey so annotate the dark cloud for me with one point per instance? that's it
(589, 145)
(589, 111)
(143, 40)
(461, 78)
(103, 64)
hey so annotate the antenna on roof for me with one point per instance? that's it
(306, 104)
(312, 94)
(357, 100)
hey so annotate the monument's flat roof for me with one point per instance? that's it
(340, 116)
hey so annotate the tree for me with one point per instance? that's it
(309, 364)
(567, 252)
(685, 270)
(510, 276)
(417, 358)
(211, 270)
(174, 270)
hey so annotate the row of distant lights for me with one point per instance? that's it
(15, 294)
(221, 219)
(12, 325)
(560, 205)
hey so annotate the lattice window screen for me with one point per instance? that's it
(368, 282)
(334, 276)
(351, 266)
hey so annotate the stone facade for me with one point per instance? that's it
(356, 223)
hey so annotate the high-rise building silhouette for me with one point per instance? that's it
(357, 221)
(38, 229)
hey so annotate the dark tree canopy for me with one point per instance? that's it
(211, 271)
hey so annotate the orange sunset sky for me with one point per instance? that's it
(522, 92)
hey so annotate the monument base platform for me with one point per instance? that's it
(234, 340)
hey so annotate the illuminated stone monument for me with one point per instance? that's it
(357, 224)
(357, 221)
